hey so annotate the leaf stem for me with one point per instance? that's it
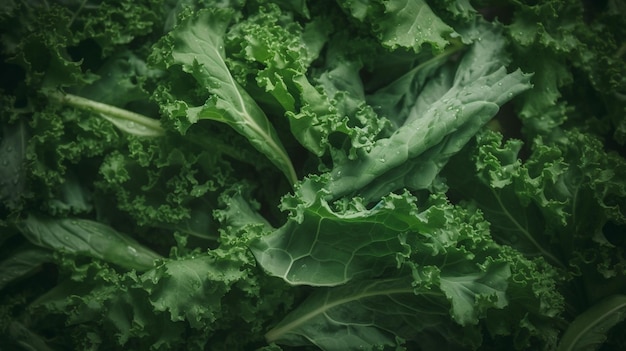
(111, 113)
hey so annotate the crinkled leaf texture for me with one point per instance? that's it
(449, 110)
(181, 287)
(197, 44)
(558, 204)
(402, 23)
(323, 247)
(184, 303)
(375, 264)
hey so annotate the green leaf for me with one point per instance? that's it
(472, 97)
(345, 318)
(12, 167)
(197, 44)
(323, 247)
(402, 23)
(89, 238)
(372, 313)
(515, 222)
(21, 263)
(589, 330)
(127, 121)
(192, 289)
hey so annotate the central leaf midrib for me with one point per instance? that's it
(275, 334)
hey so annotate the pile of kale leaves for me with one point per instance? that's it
(312, 175)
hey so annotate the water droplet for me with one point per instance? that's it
(66, 237)
(131, 124)
(74, 222)
(132, 251)
(382, 160)
(510, 95)
(499, 84)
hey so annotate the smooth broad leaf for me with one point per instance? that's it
(89, 238)
(344, 318)
(198, 45)
(589, 330)
(397, 99)
(373, 313)
(26, 338)
(324, 247)
(329, 244)
(21, 263)
(480, 85)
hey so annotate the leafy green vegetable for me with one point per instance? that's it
(90, 238)
(588, 330)
(129, 122)
(12, 170)
(22, 263)
(198, 45)
(312, 175)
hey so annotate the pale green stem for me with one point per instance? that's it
(110, 111)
